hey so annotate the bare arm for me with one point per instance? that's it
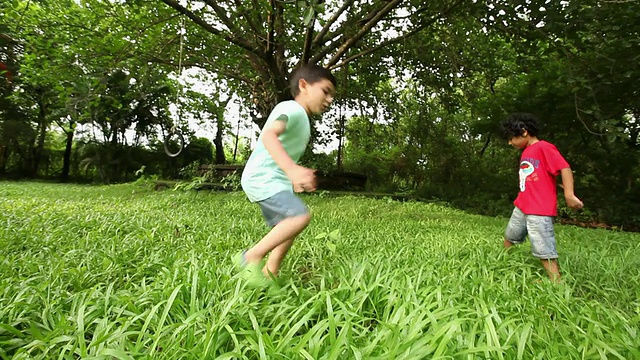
(567, 185)
(303, 179)
(274, 146)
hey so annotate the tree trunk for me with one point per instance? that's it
(235, 147)
(42, 133)
(486, 144)
(67, 155)
(220, 158)
(4, 156)
(341, 124)
(220, 127)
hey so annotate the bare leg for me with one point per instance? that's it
(553, 270)
(286, 230)
(507, 243)
(275, 259)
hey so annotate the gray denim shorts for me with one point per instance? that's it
(540, 231)
(280, 206)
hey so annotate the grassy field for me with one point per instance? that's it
(124, 272)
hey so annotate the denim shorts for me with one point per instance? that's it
(540, 231)
(280, 206)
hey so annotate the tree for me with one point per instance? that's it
(257, 42)
(210, 108)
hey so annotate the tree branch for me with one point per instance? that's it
(271, 27)
(326, 50)
(256, 7)
(243, 13)
(222, 16)
(398, 38)
(331, 21)
(203, 24)
(306, 48)
(375, 48)
(363, 31)
(575, 100)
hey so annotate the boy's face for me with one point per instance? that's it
(316, 97)
(519, 142)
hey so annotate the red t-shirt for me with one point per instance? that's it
(540, 163)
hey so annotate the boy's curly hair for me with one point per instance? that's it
(517, 123)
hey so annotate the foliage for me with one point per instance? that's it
(442, 136)
(255, 44)
(198, 150)
(232, 181)
(195, 176)
(194, 184)
(319, 161)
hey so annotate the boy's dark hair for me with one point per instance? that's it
(310, 73)
(516, 124)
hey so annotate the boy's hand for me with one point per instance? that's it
(573, 202)
(302, 178)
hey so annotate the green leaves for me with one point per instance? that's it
(330, 239)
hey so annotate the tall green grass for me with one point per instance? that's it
(122, 272)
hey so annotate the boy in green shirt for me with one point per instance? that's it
(272, 175)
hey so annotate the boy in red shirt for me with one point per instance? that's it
(536, 204)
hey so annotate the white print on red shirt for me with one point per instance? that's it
(526, 169)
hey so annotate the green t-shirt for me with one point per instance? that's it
(261, 177)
